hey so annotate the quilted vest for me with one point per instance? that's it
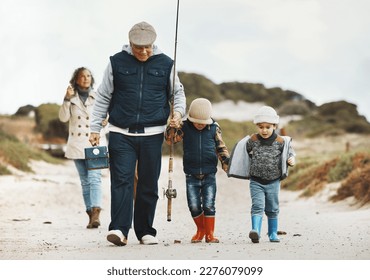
(141, 91)
(199, 149)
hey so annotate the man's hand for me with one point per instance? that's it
(176, 120)
(104, 122)
(94, 138)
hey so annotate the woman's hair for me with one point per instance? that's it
(75, 74)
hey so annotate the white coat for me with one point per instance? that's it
(79, 117)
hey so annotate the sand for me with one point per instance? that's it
(43, 233)
(43, 218)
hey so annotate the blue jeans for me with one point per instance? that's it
(201, 195)
(91, 184)
(124, 151)
(265, 198)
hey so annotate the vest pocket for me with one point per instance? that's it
(156, 72)
(127, 71)
(157, 78)
(126, 75)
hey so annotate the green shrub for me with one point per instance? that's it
(294, 108)
(4, 170)
(5, 136)
(47, 121)
(357, 184)
(18, 154)
(340, 171)
(199, 86)
(335, 118)
(300, 176)
(232, 131)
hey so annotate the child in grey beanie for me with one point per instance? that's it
(265, 157)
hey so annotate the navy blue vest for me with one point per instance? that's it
(141, 91)
(199, 149)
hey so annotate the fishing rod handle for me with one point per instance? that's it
(169, 209)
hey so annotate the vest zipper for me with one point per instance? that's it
(200, 152)
(140, 94)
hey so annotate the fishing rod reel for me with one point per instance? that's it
(170, 193)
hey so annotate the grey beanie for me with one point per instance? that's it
(266, 114)
(200, 111)
(142, 34)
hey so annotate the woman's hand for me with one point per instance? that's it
(70, 92)
(94, 138)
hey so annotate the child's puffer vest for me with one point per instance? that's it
(199, 149)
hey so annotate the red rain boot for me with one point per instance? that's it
(199, 221)
(210, 226)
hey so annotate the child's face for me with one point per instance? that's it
(199, 126)
(265, 130)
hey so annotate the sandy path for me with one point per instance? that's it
(42, 218)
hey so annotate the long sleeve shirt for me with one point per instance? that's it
(104, 96)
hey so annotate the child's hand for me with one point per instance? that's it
(173, 135)
(225, 165)
(170, 134)
(291, 161)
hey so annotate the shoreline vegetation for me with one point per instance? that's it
(333, 156)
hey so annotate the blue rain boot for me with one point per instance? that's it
(272, 230)
(255, 233)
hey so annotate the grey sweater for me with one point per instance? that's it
(104, 96)
(240, 161)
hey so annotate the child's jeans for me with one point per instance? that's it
(201, 194)
(265, 198)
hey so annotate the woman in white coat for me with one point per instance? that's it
(76, 108)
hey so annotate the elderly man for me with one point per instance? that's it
(136, 92)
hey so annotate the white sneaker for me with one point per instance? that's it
(149, 240)
(117, 238)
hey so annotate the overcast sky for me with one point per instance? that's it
(318, 48)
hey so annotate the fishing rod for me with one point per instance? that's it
(171, 192)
